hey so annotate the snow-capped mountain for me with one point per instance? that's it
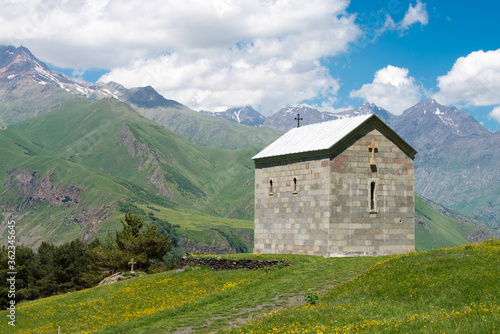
(285, 118)
(457, 161)
(29, 88)
(243, 115)
(368, 109)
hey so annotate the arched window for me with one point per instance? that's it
(372, 196)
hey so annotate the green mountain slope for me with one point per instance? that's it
(208, 130)
(434, 229)
(87, 156)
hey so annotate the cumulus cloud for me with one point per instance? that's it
(207, 54)
(473, 80)
(392, 89)
(217, 80)
(495, 114)
(417, 14)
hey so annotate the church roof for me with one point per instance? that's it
(316, 137)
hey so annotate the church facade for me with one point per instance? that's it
(338, 188)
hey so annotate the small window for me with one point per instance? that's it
(295, 184)
(372, 196)
(270, 186)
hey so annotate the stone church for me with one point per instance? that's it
(337, 188)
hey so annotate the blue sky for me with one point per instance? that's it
(455, 29)
(328, 54)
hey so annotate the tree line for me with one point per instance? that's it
(56, 269)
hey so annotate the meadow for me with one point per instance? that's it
(452, 290)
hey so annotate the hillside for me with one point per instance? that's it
(187, 123)
(436, 227)
(447, 290)
(72, 167)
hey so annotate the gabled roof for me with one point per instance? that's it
(323, 136)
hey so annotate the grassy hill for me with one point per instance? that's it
(445, 290)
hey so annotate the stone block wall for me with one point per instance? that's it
(293, 216)
(358, 227)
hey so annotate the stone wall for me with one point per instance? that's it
(227, 264)
(293, 216)
(355, 227)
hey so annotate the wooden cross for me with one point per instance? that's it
(298, 119)
(132, 262)
(372, 146)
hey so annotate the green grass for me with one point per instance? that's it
(453, 290)
(162, 303)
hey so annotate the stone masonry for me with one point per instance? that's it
(336, 203)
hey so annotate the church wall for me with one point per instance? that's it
(356, 228)
(289, 221)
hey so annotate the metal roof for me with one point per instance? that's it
(313, 137)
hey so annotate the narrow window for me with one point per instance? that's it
(270, 186)
(372, 196)
(295, 184)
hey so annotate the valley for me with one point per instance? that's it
(88, 152)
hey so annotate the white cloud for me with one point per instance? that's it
(210, 53)
(217, 80)
(391, 89)
(413, 15)
(417, 14)
(473, 80)
(495, 114)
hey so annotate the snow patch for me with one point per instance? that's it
(11, 76)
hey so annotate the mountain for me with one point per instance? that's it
(69, 172)
(368, 109)
(243, 115)
(457, 160)
(285, 118)
(29, 88)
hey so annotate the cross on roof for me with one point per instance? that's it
(132, 262)
(298, 119)
(372, 146)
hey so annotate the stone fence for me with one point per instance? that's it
(227, 264)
